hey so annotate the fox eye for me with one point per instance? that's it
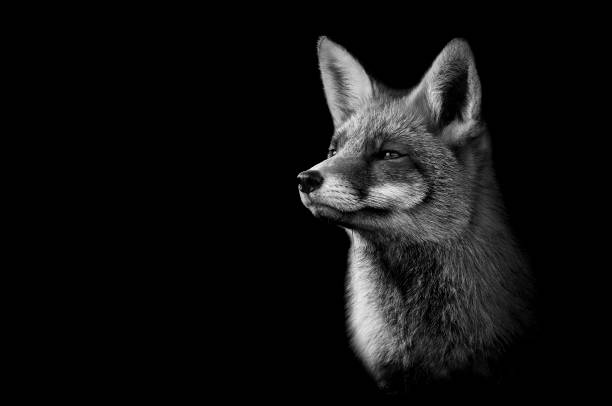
(386, 155)
(331, 152)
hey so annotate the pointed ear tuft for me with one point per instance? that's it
(451, 86)
(346, 84)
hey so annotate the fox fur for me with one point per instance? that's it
(436, 285)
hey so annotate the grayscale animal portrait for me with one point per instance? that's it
(437, 287)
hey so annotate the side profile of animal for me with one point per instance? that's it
(437, 287)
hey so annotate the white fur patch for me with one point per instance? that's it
(399, 195)
(371, 335)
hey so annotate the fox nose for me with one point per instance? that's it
(309, 181)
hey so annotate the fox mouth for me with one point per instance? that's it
(325, 211)
(349, 219)
(321, 210)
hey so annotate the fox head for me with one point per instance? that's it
(400, 161)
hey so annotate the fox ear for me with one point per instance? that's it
(346, 83)
(451, 87)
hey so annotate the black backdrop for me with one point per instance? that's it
(244, 289)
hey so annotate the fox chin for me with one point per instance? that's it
(437, 287)
(325, 211)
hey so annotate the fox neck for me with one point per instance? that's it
(404, 261)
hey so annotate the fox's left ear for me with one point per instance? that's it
(347, 85)
(451, 88)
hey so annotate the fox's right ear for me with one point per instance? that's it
(451, 89)
(346, 83)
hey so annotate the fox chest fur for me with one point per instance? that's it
(374, 338)
(425, 309)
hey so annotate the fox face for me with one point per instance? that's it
(400, 161)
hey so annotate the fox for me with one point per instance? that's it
(437, 286)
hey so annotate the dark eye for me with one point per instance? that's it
(331, 152)
(389, 155)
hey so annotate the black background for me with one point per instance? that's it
(239, 288)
